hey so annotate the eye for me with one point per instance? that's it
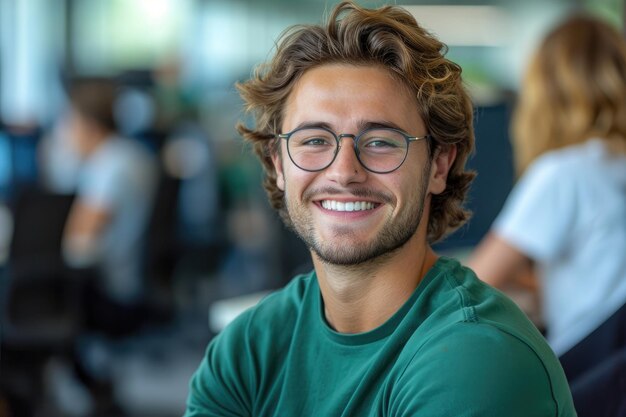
(312, 138)
(314, 141)
(380, 143)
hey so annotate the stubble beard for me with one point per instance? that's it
(393, 236)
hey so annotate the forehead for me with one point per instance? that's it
(344, 96)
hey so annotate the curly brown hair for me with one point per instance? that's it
(388, 37)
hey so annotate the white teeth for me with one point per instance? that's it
(350, 206)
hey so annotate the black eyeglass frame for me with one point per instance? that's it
(355, 139)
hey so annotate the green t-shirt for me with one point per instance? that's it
(457, 347)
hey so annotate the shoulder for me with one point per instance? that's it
(259, 330)
(457, 286)
(227, 377)
(545, 171)
(479, 351)
(288, 299)
(486, 308)
(276, 313)
(480, 367)
(575, 161)
(454, 297)
(124, 161)
(123, 151)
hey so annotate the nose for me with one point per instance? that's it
(346, 168)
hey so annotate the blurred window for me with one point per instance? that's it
(108, 36)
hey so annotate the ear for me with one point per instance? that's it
(442, 161)
(277, 160)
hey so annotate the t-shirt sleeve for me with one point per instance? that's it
(537, 215)
(103, 184)
(221, 384)
(475, 370)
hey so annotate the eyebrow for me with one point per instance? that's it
(313, 125)
(361, 124)
(377, 124)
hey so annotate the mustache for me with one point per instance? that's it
(365, 193)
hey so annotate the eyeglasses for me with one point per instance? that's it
(379, 150)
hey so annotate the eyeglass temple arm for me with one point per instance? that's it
(416, 138)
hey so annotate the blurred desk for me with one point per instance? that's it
(222, 312)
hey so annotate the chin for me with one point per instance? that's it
(353, 255)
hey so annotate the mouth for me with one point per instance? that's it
(334, 205)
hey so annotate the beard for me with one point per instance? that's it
(392, 236)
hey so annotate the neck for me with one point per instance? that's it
(93, 141)
(362, 297)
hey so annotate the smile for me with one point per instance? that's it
(347, 206)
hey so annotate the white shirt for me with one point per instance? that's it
(121, 177)
(568, 213)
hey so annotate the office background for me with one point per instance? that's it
(213, 235)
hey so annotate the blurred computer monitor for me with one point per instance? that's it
(493, 161)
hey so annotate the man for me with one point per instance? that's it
(364, 129)
(117, 180)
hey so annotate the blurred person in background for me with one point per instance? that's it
(114, 180)
(363, 128)
(566, 217)
(115, 188)
(58, 160)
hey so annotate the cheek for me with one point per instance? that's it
(409, 194)
(410, 188)
(297, 183)
(406, 185)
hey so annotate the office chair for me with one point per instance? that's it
(40, 296)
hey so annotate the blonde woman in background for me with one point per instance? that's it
(566, 217)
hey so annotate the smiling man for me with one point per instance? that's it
(364, 128)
